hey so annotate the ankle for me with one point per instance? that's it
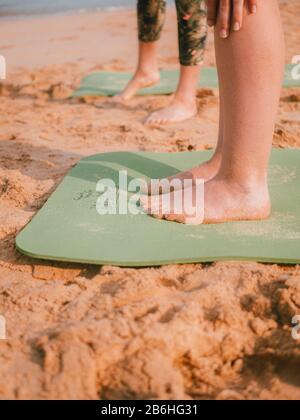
(246, 186)
(184, 99)
(148, 72)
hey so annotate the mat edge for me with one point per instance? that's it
(160, 263)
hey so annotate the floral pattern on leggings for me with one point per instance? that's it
(192, 26)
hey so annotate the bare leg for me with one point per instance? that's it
(192, 33)
(209, 169)
(147, 73)
(250, 65)
(151, 17)
(183, 105)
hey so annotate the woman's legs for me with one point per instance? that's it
(183, 105)
(205, 171)
(192, 33)
(151, 18)
(250, 65)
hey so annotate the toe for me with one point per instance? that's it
(157, 216)
(174, 218)
(151, 118)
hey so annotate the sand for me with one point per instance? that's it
(215, 331)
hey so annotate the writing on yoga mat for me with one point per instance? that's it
(68, 228)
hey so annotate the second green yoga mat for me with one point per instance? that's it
(111, 83)
(68, 228)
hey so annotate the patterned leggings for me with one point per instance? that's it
(192, 26)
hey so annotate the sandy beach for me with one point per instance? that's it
(211, 331)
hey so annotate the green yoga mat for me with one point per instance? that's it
(68, 228)
(111, 83)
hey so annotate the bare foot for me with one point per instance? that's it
(225, 201)
(206, 171)
(140, 80)
(177, 111)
